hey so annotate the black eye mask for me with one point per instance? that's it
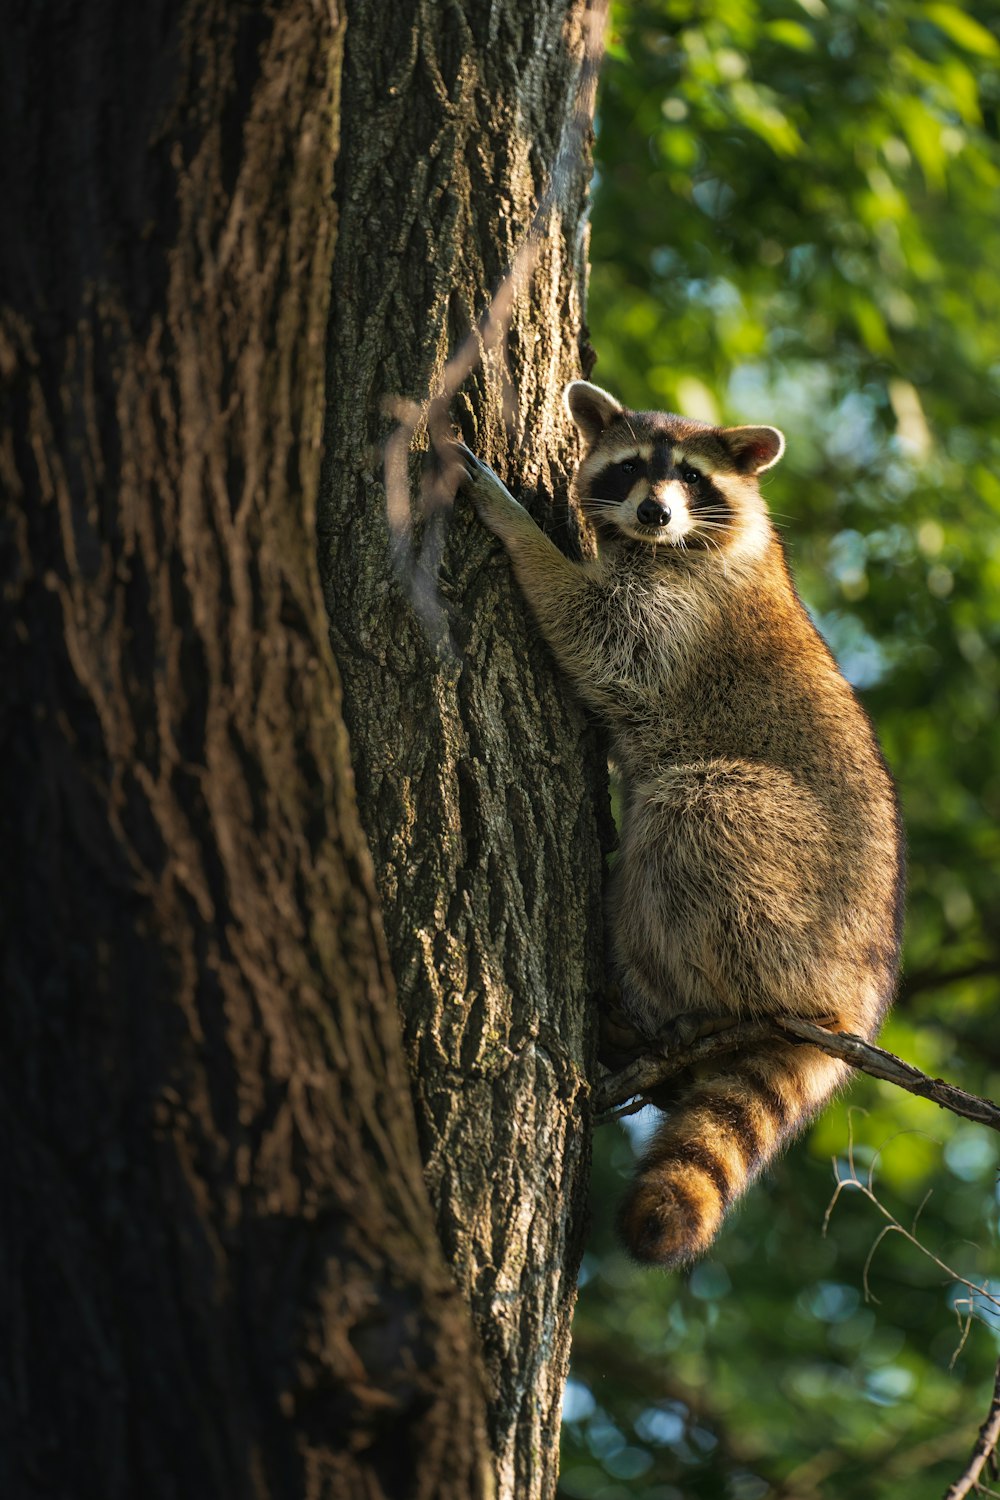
(614, 484)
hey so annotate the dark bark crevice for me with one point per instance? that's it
(218, 1271)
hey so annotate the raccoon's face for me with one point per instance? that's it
(668, 481)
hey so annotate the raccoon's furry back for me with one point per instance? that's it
(720, 1133)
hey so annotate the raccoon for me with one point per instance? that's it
(760, 869)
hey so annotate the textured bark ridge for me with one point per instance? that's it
(219, 1272)
(476, 772)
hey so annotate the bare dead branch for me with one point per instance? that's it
(869, 1058)
(634, 1082)
(650, 1071)
(985, 1450)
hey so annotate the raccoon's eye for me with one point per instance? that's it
(689, 474)
(628, 466)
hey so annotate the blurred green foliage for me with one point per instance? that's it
(796, 221)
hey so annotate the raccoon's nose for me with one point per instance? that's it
(652, 513)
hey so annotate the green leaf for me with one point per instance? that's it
(791, 34)
(963, 29)
(923, 133)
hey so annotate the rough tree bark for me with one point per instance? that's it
(476, 772)
(219, 1273)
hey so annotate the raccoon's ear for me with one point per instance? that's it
(590, 408)
(753, 449)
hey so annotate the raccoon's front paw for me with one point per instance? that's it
(493, 501)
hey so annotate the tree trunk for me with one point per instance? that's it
(475, 769)
(219, 1273)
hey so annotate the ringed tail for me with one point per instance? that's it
(721, 1132)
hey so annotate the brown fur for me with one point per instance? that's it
(760, 868)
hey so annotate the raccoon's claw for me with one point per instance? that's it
(484, 486)
(493, 502)
(476, 472)
(468, 460)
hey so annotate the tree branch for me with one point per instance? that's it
(984, 1451)
(648, 1072)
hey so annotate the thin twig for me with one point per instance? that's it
(979, 1301)
(984, 1451)
(980, 1298)
(650, 1071)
